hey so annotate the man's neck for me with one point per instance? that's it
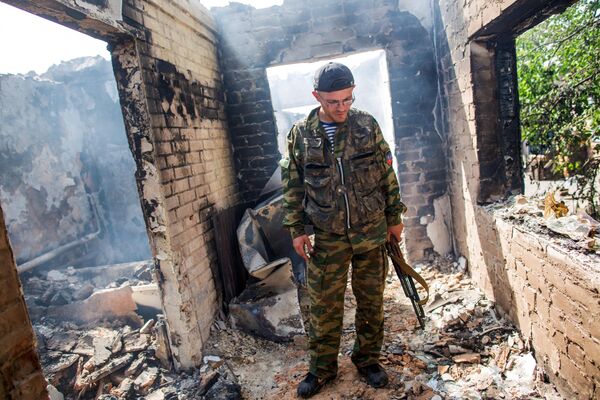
(324, 118)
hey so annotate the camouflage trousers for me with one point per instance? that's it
(327, 279)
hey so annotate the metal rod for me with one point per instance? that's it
(36, 262)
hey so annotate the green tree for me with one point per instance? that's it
(559, 91)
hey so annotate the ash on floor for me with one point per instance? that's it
(465, 352)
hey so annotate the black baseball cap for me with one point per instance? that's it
(333, 76)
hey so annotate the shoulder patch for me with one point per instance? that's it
(389, 159)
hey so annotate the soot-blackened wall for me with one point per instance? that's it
(297, 31)
(164, 56)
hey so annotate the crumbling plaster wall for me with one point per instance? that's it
(300, 30)
(64, 155)
(36, 203)
(165, 61)
(551, 296)
(20, 371)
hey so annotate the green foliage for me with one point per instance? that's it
(559, 92)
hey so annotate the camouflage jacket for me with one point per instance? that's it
(352, 189)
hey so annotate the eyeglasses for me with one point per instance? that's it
(337, 103)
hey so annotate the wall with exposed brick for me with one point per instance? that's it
(165, 62)
(300, 30)
(185, 166)
(551, 296)
(20, 371)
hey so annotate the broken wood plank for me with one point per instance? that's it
(471, 358)
(83, 382)
(66, 361)
(136, 366)
(134, 342)
(454, 349)
(502, 358)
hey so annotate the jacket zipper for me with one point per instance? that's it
(340, 166)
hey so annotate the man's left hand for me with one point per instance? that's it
(395, 232)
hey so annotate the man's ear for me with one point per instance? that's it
(316, 95)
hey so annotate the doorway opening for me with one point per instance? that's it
(291, 88)
(71, 206)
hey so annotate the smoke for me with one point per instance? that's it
(420, 9)
(66, 170)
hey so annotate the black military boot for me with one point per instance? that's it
(375, 375)
(311, 385)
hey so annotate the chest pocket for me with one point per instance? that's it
(363, 139)
(314, 150)
(317, 178)
(366, 172)
(367, 176)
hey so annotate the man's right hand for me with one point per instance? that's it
(301, 244)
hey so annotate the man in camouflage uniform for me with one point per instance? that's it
(343, 184)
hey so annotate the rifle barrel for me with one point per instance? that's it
(407, 282)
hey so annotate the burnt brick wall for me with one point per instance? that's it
(165, 62)
(552, 296)
(173, 102)
(20, 371)
(297, 31)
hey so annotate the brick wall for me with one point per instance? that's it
(173, 104)
(552, 297)
(300, 30)
(20, 371)
(165, 62)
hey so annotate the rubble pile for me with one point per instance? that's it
(47, 291)
(120, 362)
(100, 335)
(547, 216)
(91, 338)
(84, 363)
(466, 350)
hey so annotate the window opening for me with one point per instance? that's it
(559, 90)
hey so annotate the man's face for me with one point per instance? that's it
(335, 105)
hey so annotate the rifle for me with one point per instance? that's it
(406, 274)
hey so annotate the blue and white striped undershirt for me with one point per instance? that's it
(330, 130)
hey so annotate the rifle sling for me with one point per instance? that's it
(407, 269)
